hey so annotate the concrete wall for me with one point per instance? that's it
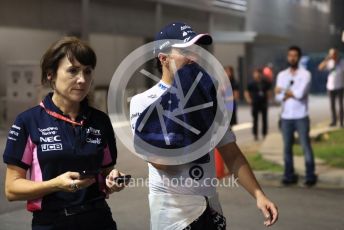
(281, 23)
(111, 50)
(28, 45)
(126, 17)
(115, 28)
(62, 15)
(22, 45)
(228, 54)
(337, 25)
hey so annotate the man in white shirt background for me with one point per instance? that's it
(335, 83)
(292, 89)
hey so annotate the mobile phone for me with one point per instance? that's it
(88, 173)
(122, 179)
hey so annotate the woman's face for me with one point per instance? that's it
(73, 80)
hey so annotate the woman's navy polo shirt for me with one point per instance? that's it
(48, 147)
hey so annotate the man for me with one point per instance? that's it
(258, 94)
(335, 83)
(175, 205)
(292, 90)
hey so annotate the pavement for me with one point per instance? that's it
(272, 150)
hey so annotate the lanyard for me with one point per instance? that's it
(59, 116)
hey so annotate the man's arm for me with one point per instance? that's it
(300, 90)
(238, 165)
(279, 89)
(236, 94)
(248, 97)
(322, 66)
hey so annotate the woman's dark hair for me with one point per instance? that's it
(72, 48)
(297, 49)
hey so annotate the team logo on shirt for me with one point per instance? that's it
(49, 143)
(50, 139)
(95, 138)
(13, 134)
(93, 131)
(94, 141)
(48, 131)
(185, 27)
(152, 96)
(161, 86)
(51, 147)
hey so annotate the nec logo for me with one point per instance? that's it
(51, 147)
(50, 139)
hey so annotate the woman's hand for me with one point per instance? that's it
(71, 182)
(111, 185)
(268, 209)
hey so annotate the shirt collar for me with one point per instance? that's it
(49, 104)
(295, 73)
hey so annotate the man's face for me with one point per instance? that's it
(257, 75)
(333, 53)
(293, 58)
(178, 58)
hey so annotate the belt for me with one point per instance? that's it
(70, 211)
(73, 210)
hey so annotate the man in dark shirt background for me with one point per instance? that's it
(258, 94)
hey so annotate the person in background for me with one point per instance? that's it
(268, 73)
(335, 84)
(235, 87)
(67, 148)
(258, 95)
(292, 89)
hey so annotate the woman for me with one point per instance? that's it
(67, 146)
(230, 73)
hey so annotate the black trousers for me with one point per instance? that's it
(96, 219)
(336, 94)
(263, 110)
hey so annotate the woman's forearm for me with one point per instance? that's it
(23, 189)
